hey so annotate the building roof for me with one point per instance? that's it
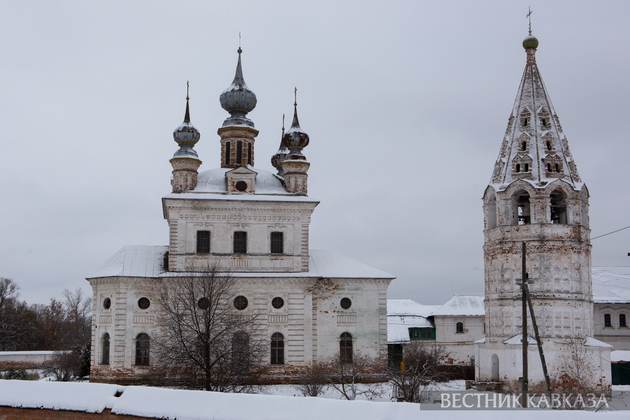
(212, 185)
(148, 261)
(133, 261)
(409, 307)
(534, 138)
(462, 305)
(620, 356)
(611, 284)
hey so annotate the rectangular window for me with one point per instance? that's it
(239, 152)
(277, 242)
(622, 320)
(607, 322)
(227, 153)
(249, 153)
(203, 241)
(422, 333)
(240, 242)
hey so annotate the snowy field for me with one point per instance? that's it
(274, 402)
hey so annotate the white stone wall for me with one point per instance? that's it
(224, 217)
(459, 345)
(562, 358)
(615, 335)
(311, 319)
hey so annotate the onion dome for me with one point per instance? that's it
(530, 42)
(278, 158)
(238, 99)
(186, 135)
(295, 139)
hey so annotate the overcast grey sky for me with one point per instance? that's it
(405, 102)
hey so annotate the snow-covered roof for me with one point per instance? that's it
(517, 340)
(611, 284)
(592, 342)
(409, 307)
(148, 261)
(212, 185)
(398, 327)
(403, 314)
(133, 261)
(620, 356)
(462, 305)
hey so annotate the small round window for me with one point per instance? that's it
(346, 303)
(277, 302)
(241, 186)
(240, 302)
(203, 303)
(107, 303)
(144, 303)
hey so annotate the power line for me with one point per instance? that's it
(610, 233)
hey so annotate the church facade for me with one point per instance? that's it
(537, 198)
(312, 305)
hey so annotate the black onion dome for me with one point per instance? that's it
(186, 135)
(238, 99)
(295, 137)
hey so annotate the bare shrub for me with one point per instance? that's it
(419, 369)
(314, 381)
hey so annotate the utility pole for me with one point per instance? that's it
(524, 340)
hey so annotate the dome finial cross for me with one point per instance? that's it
(529, 16)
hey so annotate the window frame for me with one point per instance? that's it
(607, 321)
(203, 242)
(143, 350)
(623, 321)
(277, 349)
(459, 328)
(346, 354)
(239, 242)
(105, 349)
(276, 242)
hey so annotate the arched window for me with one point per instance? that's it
(345, 348)
(495, 368)
(558, 208)
(492, 212)
(459, 327)
(143, 345)
(105, 350)
(518, 167)
(240, 352)
(527, 167)
(277, 349)
(522, 210)
(524, 146)
(557, 168)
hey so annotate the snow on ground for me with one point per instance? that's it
(201, 405)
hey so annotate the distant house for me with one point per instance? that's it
(454, 326)
(458, 324)
(611, 312)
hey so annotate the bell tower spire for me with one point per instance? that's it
(294, 166)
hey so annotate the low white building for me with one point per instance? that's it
(611, 297)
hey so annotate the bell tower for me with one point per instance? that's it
(536, 196)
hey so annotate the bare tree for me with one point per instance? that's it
(349, 376)
(419, 369)
(315, 380)
(15, 321)
(78, 317)
(208, 337)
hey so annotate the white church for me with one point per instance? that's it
(315, 305)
